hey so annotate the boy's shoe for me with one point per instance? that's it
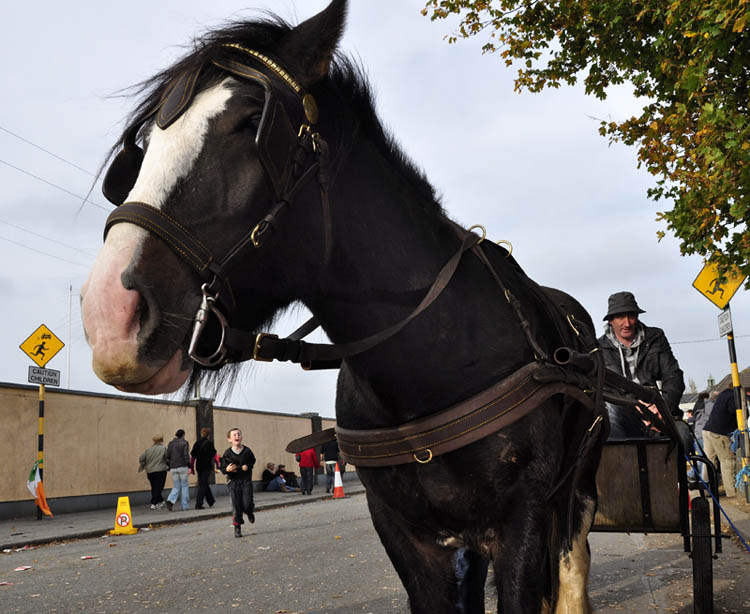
(251, 518)
(237, 531)
(199, 507)
(169, 505)
(153, 506)
(160, 504)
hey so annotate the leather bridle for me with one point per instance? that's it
(289, 158)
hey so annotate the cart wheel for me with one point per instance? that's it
(703, 576)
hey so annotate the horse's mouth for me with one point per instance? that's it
(159, 380)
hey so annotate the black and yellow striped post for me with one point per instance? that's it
(741, 421)
(40, 444)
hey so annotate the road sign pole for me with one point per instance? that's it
(741, 418)
(40, 444)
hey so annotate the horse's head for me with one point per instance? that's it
(222, 145)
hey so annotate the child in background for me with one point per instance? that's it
(237, 463)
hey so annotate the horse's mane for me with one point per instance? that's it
(346, 78)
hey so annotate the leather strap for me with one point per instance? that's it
(270, 347)
(184, 243)
(471, 420)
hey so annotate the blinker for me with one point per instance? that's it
(122, 174)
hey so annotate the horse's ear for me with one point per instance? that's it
(311, 44)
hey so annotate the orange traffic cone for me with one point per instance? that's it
(338, 485)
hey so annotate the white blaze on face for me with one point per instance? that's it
(172, 152)
(109, 310)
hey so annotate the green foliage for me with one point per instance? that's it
(690, 59)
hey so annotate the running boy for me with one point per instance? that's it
(237, 463)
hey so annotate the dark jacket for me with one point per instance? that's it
(330, 450)
(723, 418)
(245, 457)
(177, 453)
(203, 452)
(655, 362)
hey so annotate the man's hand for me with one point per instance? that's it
(244, 467)
(231, 467)
(653, 409)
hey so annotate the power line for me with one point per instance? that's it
(54, 185)
(43, 253)
(705, 340)
(47, 151)
(46, 238)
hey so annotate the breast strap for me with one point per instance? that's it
(450, 429)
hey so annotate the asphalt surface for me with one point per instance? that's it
(320, 558)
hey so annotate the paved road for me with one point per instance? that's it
(318, 558)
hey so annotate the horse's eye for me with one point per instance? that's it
(251, 122)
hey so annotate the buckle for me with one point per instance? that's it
(258, 341)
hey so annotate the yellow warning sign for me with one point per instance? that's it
(123, 518)
(707, 283)
(42, 345)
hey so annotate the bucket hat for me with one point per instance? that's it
(622, 302)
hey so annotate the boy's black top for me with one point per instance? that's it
(246, 457)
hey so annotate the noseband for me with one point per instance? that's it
(289, 158)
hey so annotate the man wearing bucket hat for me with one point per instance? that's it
(642, 354)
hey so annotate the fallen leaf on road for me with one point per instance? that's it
(88, 556)
(23, 568)
(6, 583)
(264, 547)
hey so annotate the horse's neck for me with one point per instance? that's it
(388, 250)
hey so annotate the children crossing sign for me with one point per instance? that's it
(709, 285)
(41, 345)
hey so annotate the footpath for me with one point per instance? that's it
(28, 531)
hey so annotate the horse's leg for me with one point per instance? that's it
(438, 579)
(574, 564)
(522, 560)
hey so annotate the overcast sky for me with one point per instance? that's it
(531, 168)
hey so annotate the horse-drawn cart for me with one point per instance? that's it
(642, 487)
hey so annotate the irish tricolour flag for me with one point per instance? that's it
(36, 488)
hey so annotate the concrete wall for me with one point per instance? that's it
(92, 443)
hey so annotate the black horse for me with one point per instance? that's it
(268, 179)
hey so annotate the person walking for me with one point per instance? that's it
(237, 464)
(178, 459)
(154, 461)
(202, 462)
(329, 452)
(308, 463)
(716, 438)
